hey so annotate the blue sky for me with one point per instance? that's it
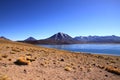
(20, 19)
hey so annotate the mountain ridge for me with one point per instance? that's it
(62, 38)
(99, 39)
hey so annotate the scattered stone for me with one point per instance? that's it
(28, 54)
(9, 59)
(25, 71)
(62, 60)
(100, 66)
(89, 69)
(94, 64)
(106, 75)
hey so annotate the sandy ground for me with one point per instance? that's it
(53, 64)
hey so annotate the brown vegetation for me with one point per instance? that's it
(4, 77)
(113, 70)
(22, 61)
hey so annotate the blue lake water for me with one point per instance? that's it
(110, 49)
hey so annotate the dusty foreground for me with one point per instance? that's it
(20, 61)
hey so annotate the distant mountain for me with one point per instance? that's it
(59, 38)
(30, 39)
(62, 38)
(98, 39)
(2, 37)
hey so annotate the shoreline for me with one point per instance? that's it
(104, 53)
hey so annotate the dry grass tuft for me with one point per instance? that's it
(4, 77)
(0, 58)
(67, 68)
(22, 61)
(113, 70)
(12, 52)
(15, 50)
(26, 60)
(30, 59)
(4, 55)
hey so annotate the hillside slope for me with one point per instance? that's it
(39, 63)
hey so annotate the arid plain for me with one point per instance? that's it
(21, 61)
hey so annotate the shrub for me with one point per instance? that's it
(113, 70)
(22, 61)
(4, 55)
(0, 58)
(15, 50)
(7, 47)
(67, 68)
(30, 59)
(12, 52)
(4, 77)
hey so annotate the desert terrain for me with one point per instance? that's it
(21, 61)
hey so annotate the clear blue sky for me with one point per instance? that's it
(20, 19)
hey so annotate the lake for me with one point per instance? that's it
(110, 49)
